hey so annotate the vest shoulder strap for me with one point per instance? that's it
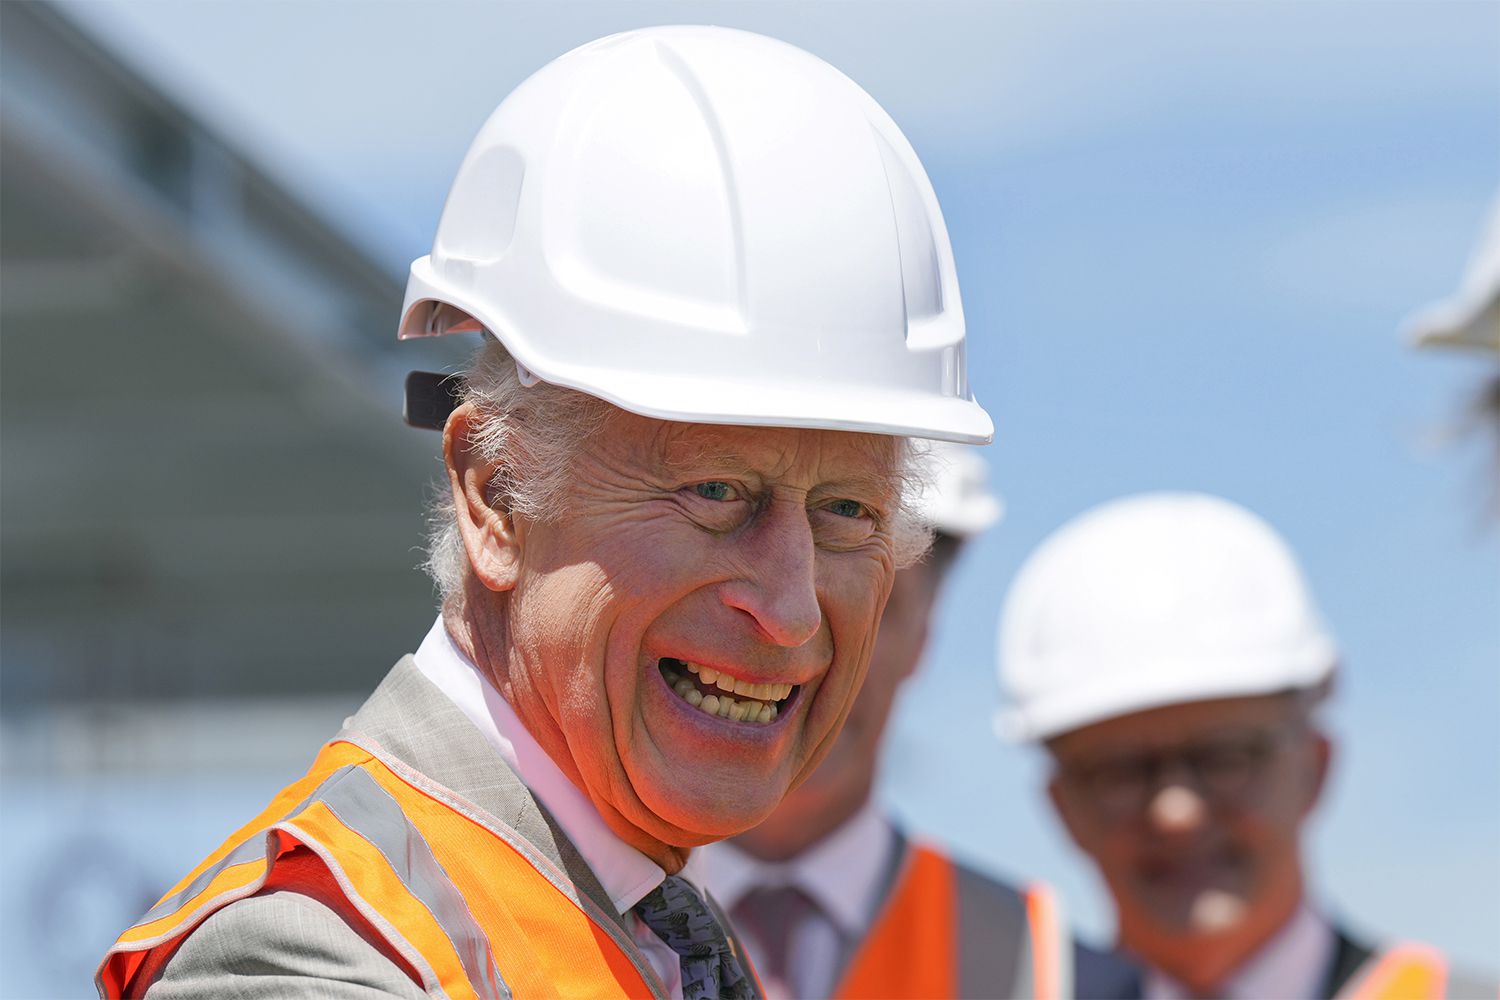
(1407, 971)
(465, 909)
(909, 950)
(945, 931)
(1050, 951)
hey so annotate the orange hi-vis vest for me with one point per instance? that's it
(940, 934)
(1404, 972)
(469, 909)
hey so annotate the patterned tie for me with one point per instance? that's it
(679, 917)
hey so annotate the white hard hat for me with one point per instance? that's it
(955, 496)
(704, 224)
(1154, 600)
(1471, 318)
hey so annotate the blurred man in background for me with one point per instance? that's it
(833, 898)
(1168, 653)
(673, 517)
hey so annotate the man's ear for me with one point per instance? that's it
(1064, 807)
(1319, 763)
(488, 533)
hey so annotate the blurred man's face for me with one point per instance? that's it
(1192, 813)
(688, 638)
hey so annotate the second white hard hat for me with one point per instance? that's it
(1153, 600)
(704, 224)
(955, 496)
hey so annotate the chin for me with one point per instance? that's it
(705, 816)
(1217, 911)
(1208, 912)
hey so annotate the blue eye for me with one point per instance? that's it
(847, 508)
(715, 491)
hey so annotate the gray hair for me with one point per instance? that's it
(547, 425)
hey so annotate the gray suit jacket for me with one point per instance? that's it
(294, 944)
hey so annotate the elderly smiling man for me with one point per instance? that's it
(718, 298)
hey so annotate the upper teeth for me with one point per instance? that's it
(760, 692)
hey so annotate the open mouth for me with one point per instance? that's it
(714, 693)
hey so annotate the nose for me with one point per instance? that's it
(1176, 808)
(778, 587)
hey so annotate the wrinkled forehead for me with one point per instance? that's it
(802, 457)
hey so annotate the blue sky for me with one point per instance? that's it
(1187, 236)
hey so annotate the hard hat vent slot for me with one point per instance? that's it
(640, 202)
(921, 276)
(485, 206)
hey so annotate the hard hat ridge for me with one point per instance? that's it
(704, 224)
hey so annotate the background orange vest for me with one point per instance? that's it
(915, 947)
(1404, 972)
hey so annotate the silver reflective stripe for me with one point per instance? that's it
(994, 948)
(1063, 948)
(370, 811)
(548, 861)
(250, 850)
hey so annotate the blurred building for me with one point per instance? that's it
(210, 505)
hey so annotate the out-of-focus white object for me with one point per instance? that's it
(956, 498)
(704, 224)
(1471, 317)
(1153, 600)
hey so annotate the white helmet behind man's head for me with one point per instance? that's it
(955, 498)
(704, 224)
(1154, 600)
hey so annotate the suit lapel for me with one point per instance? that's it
(1349, 956)
(409, 719)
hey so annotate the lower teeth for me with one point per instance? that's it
(723, 706)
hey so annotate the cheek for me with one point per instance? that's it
(1270, 825)
(1114, 847)
(852, 603)
(561, 622)
(1117, 847)
(571, 602)
(1278, 808)
(853, 590)
(649, 571)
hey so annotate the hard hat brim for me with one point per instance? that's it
(790, 404)
(1169, 683)
(1463, 324)
(819, 403)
